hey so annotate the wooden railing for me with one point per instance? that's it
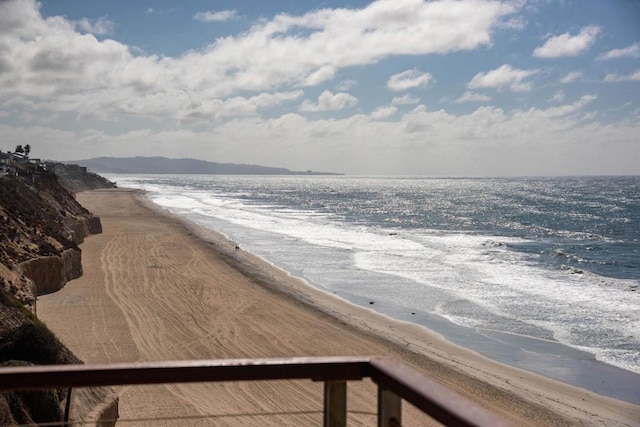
(396, 382)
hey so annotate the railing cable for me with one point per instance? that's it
(121, 421)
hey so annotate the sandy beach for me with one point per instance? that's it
(156, 287)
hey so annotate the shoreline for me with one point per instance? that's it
(547, 357)
(523, 397)
(551, 359)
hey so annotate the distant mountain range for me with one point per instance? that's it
(164, 165)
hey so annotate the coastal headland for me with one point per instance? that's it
(156, 287)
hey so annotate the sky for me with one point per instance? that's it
(387, 87)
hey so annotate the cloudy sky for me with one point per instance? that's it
(404, 87)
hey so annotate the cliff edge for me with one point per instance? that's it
(41, 225)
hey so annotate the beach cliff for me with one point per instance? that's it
(41, 225)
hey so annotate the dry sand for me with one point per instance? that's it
(158, 288)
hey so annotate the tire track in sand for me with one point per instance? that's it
(180, 305)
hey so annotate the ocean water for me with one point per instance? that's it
(541, 273)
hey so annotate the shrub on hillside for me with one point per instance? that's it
(30, 407)
(32, 343)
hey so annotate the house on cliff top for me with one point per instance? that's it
(20, 164)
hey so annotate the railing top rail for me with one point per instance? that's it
(430, 397)
(440, 402)
(183, 371)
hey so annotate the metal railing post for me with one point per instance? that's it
(396, 383)
(335, 404)
(389, 409)
(67, 407)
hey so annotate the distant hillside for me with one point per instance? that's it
(163, 165)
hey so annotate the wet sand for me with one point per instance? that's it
(156, 287)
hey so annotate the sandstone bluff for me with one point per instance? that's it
(41, 225)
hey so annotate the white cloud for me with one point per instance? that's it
(559, 96)
(328, 101)
(504, 77)
(319, 76)
(571, 77)
(55, 67)
(614, 78)
(384, 112)
(560, 111)
(343, 37)
(212, 100)
(472, 97)
(220, 16)
(238, 106)
(516, 23)
(101, 26)
(487, 141)
(408, 80)
(568, 45)
(632, 51)
(346, 85)
(406, 99)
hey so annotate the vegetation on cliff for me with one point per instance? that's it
(24, 341)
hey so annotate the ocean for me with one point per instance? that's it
(539, 273)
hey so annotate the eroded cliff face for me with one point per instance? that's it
(92, 225)
(51, 273)
(41, 225)
(40, 229)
